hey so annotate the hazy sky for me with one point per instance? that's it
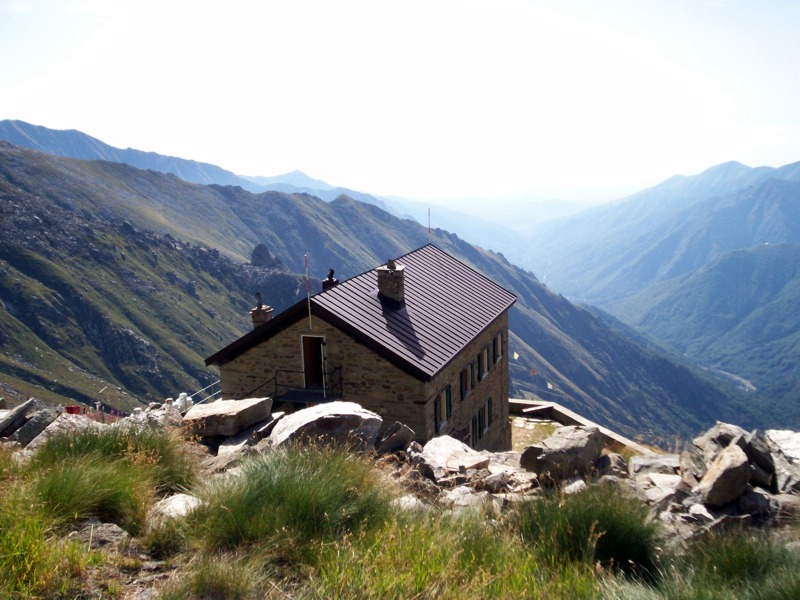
(426, 99)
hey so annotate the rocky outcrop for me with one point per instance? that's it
(727, 478)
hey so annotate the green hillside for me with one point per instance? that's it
(89, 304)
(155, 265)
(739, 314)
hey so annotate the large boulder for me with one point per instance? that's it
(787, 441)
(726, 478)
(570, 450)
(64, 424)
(226, 417)
(250, 436)
(337, 422)
(787, 464)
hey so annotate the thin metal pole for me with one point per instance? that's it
(308, 295)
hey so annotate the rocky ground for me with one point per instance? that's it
(726, 478)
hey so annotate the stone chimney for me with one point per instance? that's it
(391, 281)
(261, 313)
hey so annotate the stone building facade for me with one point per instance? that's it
(438, 369)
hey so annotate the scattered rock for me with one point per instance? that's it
(15, 417)
(36, 424)
(700, 513)
(396, 438)
(98, 535)
(172, 507)
(570, 450)
(574, 485)
(726, 478)
(715, 439)
(226, 417)
(155, 416)
(666, 464)
(612, 464)
(336, 422)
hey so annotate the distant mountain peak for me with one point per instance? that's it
(727, 168)
(295, 178)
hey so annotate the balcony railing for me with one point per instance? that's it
(282, 388)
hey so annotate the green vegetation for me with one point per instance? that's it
(151, 451)
(290, 501)
(111, 475)
(311, 522)
(597, 525)
(738, 564)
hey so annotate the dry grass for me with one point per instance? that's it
(526, 431)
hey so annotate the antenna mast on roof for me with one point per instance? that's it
(308, 294)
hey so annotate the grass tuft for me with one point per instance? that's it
(32, 562)
(420, 555)
(153, 450)
(290, 500)
(219, 576)
(595, 525)
(80, 488)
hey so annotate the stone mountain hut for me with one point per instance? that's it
(422, 340)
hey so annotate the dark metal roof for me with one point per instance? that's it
(447, 304)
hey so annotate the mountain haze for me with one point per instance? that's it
(704, 264)
(738, 314)
(74, 144)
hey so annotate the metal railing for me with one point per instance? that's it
(331, 387)
(212, 391)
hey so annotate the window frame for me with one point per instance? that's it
(442, 406)
(497, 347)
(467, 379)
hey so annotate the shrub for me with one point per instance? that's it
(595, 525)
(290, 499)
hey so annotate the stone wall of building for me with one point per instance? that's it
(376, 384)
(367, 378)
(494, 385)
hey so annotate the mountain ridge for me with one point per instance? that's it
(598, 371)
